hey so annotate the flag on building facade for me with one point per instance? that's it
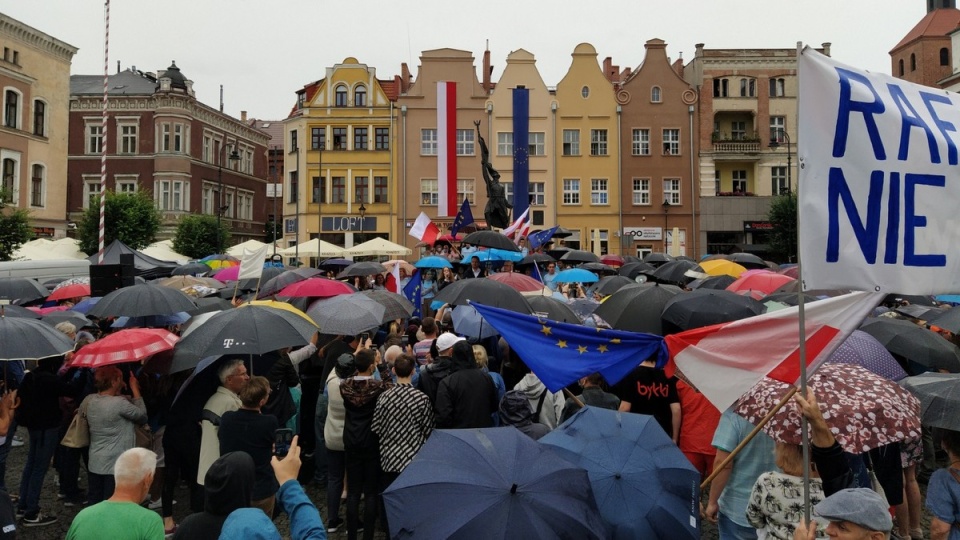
(446, 148)
(521, 149)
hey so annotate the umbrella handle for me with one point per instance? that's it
(574, 398)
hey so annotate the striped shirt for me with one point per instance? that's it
(403, 419)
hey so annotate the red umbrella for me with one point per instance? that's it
(317, 287)
(765, 282)
(450, 238)
(612, 260)
(75, 290)
(518, 282)
(130, 345)
(791, 271)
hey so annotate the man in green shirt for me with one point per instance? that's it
(121, 516)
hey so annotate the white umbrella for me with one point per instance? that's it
(312, 248)
(377, 246)
(238, 250)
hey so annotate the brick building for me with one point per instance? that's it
(924, 55)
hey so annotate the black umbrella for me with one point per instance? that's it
(30, 339)
(790, 299)
(536, 258)
(289, 277)
(553, 309)
(634, 269)
(583, 307)
(913, 342)
(491, 239)
(611, 284)
(939, 395)
(397, 306)
(23, 289)
(637, 308)
(912, 299)
(335, 264)
(192, 269)
(208, 304)
(579, 256)
(486, 291)
(748, 260)
(676, 272)
(269, 272)
(656, 259)
(562, 233)
(948, 320)
(141, 301)
(18, 312)
(704, 307)
(362, 269)
(719, 283)
(77, 319)
(598, 267)
(916, 311)
(249, 329)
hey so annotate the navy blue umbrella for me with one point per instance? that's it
(491, 483)
(642, 482)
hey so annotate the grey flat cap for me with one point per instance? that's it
(861, 506)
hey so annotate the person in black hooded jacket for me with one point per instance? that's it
(467, 398)
(228, 486)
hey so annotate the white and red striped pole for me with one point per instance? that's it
(103, 131)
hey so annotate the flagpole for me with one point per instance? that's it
(804, 432)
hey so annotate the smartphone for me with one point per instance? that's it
(404, 341)
(363, 338)
(281, 441)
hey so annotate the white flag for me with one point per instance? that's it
(251, 263)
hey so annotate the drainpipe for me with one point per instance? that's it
(553, 118)
(403, 197)
(693, 191)
(619, 185)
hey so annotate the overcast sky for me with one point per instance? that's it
(262, 51)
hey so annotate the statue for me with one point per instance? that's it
(497, 212)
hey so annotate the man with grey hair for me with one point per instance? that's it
(233, 375)
(121, 516)
(852, 514)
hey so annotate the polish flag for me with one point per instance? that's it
(516, 225)
(392, 283)
(726, 360)
(447, 148)
(424, 229)
(524, 231)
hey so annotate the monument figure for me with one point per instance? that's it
(497, 212)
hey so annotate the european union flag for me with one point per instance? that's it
(413, 290)
(561, 353)
(540, 238)
(464, 218)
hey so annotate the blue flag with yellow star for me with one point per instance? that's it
(413, 290)
(561, 353)
(464, 218)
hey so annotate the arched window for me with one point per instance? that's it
(944, 57)
(913, 62)
(901, 67)
(8, 182)
(11, 109)
(39, 118)
(655, 94)
(341, 96)
(360, 96)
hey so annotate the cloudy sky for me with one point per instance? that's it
(262, 51)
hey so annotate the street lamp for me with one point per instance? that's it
(363, 212)
(775, 143)
(234, 157)
(666, 208)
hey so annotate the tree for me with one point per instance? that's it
(196, 236)
(783, 217)
(15, 229)
(272, 231)
(132, 218)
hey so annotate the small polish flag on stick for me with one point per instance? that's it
(424, 229)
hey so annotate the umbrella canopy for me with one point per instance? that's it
(611, 284)
(948, 320)
(579, 256)
(704, 307)
(510, 487)
(864, 410)
(433, 261)
(268, 273)
(377, 247)
(404, 265)
(644, 486)
(634, 269)
(598, 267)
(140, 301)
(77, 319)
(468, 322)
(288, 277)
(722, 267)
(312, 248)
(73, 290)
(518, 282)
(748, 260)
(552, 309)
(637, 308)
(487, 291)
(791, 271)
(396, 305)
(613, 260)
(239, 249)
(575, 275)
(192, 269)
(19, 312)
(318, 287)
(939, 395)
(492, 255)
(362, 269)
(717, 283)
(335, 264)
(250, 329)
(30, 339)
(227, 274)
(131, 345)
(676, 272)
(23, 289)
(765, 282)
(862, 349)
(347, 315)
(84, 306)
(151, 321)
(657, 259)
(914, 343)
(535, 258)
(490, 239)
(181, 281)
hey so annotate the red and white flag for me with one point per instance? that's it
(447, 148)
(516, 225)
(392, 283)
(524, 231)
(725, 360)
(424, 229)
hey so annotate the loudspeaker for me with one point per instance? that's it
(128, 270)
(105, 278)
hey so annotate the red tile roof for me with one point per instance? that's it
(937, 23)
(389, 88)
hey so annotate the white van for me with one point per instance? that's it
(46, 270)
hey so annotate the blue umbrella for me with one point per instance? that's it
(468, 322)
(86, 304)
(491, 483)
(493, 254)
(643, 484)
(575, 275)
(862, 349)
(433, 262)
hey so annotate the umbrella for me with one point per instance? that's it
(490, 239)
(77, 319)
(141, 300)
(518, 282)
(923, 300)
(722, 267)
(765, 282)
(347, 315)
(335, 264)
(468, 322)
(914, 343)
(250, 329)
(404, 265)
(396, 305)
(84, 306)
(748, 260)
(509, 487)
(579, 256)
(230, 273)
(23, 289)
(575, 275)
(151, 321)
(192, 269)
(450, 238)
(550, 308)
(598, 267)
(182, 281)
(30, 339)
(948, 320)
(719, 283)
(790, 299)
(131, 345)
(634, 269)
(791, 271)
(611, 284)
(916, 311)
(18, 312)
(939, 395)
(210, 303)
(613, 260)
(71, 288)
(433, 261)
(534, 258)
(676, 272)
(637, 308)
(704, 307)
(644, 486)
(492, 255)
(289, 277)
(362, 269)
(862, 349)
(319, 287)
(656, 259)
(487, 291)
(268, 273)
(584, 307)
(864, 410)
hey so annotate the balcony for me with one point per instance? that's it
(737, 146)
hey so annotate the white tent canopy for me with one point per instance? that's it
(43, 249)
(252, 245)
(163, 250)
(312, 248)
(377, 246)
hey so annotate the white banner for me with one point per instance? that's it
(879, 182)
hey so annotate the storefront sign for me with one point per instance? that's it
(348, 223)
(757, 226)
(641, 234)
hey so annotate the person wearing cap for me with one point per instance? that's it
(853, 514)
(439, 368)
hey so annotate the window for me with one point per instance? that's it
(655, 94)
(641, 191)
(538, 194)
(360, 138)
(294, 186)
(598, 191)
(944, 57)
(777, 126)
(319, 190)
(900, 65)
(720, 88)
(94, 138)
(380, 189)
(361, 185)
(91, 193)
(126, 183)
(340, 96)
(318, 138)
(748, 87)
(339, 138)
(571, 191)
(738, 130)
(128, 139)
(381, 138)
(293, 141)
(571, 142)
(465, 142)
(585, 92)
(671, 191)
(208, 148)
(641, 142)
(207, 198)
(247, 161)
(913, 62)
(465, 191)
(339, 185)
(178, 137)
(39, 118)
(11, 109)
(598, 142)
(536, 146)
(671, 142)
(779, 177)
(172, 195)
(739, 181)
(716, 182)
(360, 96)
(776, 87)
(505, 143)
(8, 187)
(429, 194)
(229, 208)
(508, 191)
(428, 142)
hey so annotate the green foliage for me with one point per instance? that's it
(132, 218)
(272, 230)
(196, 236)
(15, 230)
(783, 237)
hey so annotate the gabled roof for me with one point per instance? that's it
(937, 23)
(273, 128)
(123, 83)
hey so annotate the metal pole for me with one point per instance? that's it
(219, 208)
(296, 247)
(273, 233)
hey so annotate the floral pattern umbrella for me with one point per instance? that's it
(864, 410)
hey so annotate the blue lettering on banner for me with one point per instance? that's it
(944, 126)
(848, 106)
(911, 120)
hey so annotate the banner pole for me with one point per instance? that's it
(801, 305)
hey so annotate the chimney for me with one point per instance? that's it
(405, 76)
(487, 69)
(625, 74)
(826, 48)
(118, 67)
(243, 116)
(678, 67)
